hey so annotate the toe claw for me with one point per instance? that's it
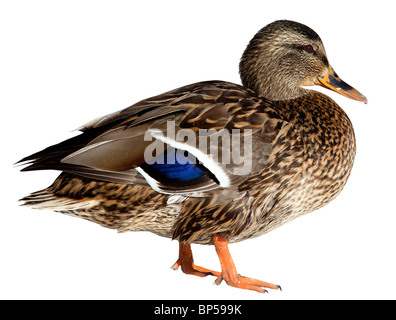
(176, 265)
(218, 280)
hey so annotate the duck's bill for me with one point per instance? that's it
(333, 82)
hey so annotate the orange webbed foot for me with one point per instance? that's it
(229, 273)
(247, 283)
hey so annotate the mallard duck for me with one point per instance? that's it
(133, 170)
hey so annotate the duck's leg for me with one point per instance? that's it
(186, 262)
(229, 272)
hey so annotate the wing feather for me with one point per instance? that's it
(112, 148)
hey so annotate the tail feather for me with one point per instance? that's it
(45, 199)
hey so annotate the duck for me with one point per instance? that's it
(213, 162)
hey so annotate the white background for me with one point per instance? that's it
(64, 63)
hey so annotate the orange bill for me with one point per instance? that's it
(333, 82)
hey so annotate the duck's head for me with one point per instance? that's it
(285, 56)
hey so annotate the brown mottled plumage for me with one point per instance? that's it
(303, 148)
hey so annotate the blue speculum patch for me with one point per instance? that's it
(177, 165)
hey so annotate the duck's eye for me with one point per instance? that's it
(308, 48)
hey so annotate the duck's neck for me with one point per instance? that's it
(271, 86)
(277, 90)
(265, 74)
